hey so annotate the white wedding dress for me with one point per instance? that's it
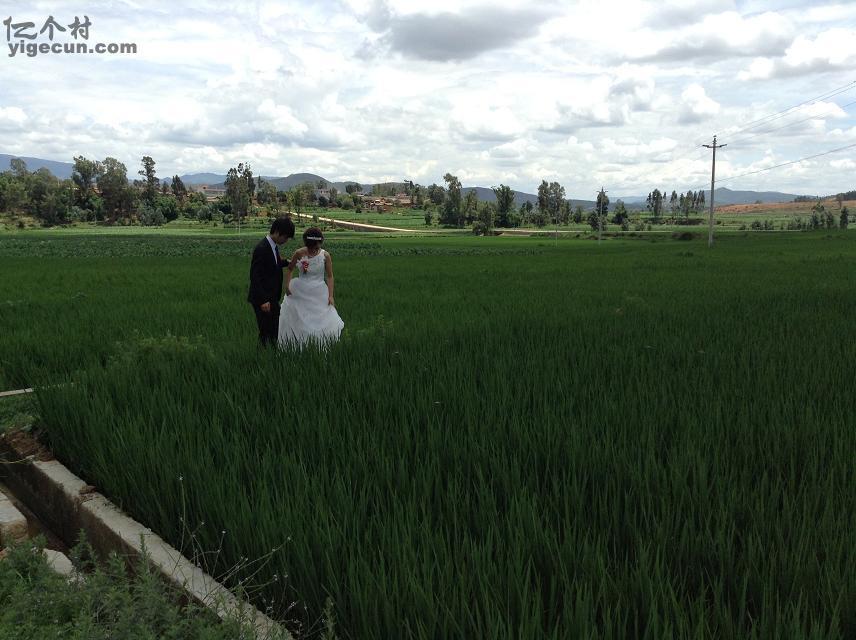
(305, 315)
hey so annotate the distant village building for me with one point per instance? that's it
(210, 192)
(380, 205)
(322, 193)
(401, 199)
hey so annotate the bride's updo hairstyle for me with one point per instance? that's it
(313, 237)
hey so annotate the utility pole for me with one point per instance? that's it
(713, 146)
(600, 198)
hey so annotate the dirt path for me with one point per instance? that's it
(373, 228)
(361, 226)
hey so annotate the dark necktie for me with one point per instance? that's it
(276, 251)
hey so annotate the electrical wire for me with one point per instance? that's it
(754, 124)
(785, 164)
(785, 126)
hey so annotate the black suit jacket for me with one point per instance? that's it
(265, 276)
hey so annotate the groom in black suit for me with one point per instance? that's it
(266, 280)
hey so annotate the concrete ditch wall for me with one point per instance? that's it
(67, 505)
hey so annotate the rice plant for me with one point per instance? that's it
(523, 440)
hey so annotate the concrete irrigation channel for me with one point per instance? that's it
(39, 495)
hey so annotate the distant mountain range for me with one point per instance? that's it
(61, 170)
(724, 196)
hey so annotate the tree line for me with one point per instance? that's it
(100, 191)
(683, 205)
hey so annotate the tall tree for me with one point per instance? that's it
(297, 195)
(56, 205)
(565, 212)
(251, 183)
(526, 212)
(452, 205)
(237, 185)
(485, 217)
(504, 205)
(114, 188)
(13, 193)
(84, 175)
(620, 214)
(601, 205)
(149, 182)
(555, 198)
(655, 203)
(470, 207)
(266, 193)
(693, 195)
(436, 194)
(543, 198)
(178, 189)
(19, 168)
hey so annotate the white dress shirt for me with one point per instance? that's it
(273, 248)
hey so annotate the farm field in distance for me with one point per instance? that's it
(729, 218)
(515, 437)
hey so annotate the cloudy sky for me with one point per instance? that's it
(589, 93)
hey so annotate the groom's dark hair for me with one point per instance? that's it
(283, 226)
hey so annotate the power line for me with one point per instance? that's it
(760, 122)
(785, 164)
(754, 124)
(688, 153)
(790, 124)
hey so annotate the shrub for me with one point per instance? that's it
(168, 206)
(596, 222)
(684, 235)
(150, 216)
(77, 214)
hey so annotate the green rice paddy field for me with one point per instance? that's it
(515, 438)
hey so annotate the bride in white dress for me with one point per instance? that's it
(308, 309)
